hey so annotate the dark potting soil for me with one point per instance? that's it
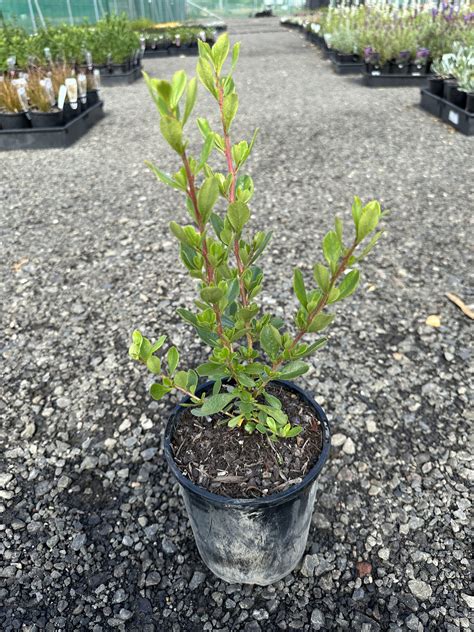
(230, 462)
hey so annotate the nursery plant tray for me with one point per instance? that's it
(458, 118)
(121, 78)
(392, 81)
(172, 51)
(47, 137)
(347, 68)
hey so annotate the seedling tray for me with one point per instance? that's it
(347, 68)
(47, 137)
(458, 118)
(392, 81)
(121, 78)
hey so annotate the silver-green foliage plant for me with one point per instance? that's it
(250, 347)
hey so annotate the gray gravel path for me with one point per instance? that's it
(94, 534)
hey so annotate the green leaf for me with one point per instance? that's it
(322, 277)
(181, 379)
(211, 294)
(206, 76)
(356, 210)
(348, 285)
(205, 151)
(178, 84)
(134, 351)
(315, 346)
(235, 56)
(293, 432)
(370, 245)
(164, 177)
(172, 132)
(368, 220)
(293, 369)
(271, 400)
(229, 109)
(238, 214)
(191, 94)
(235, 421)
(220, 50)
(270, 340)
(207, 197)
(214, 404)
(320, 322)
(153, 364)
(137, 337)
(299, 287)
(157, 391)
(331, 249)
(158, 344)
(172, 359)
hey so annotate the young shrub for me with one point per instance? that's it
(249, 347)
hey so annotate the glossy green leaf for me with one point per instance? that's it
(238, 215)
(172, 359)
(157, 391)
(220, 50)
(320, 322)
(214, 404)
(270, 340)
(322, 277)
(191, 95)
(293, 369)
(172, 132)
(229, 110)
(153, 364)
(299, 287)
(349, 284)
(178, 84)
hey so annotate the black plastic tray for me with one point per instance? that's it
(392, 81)
(172, 51)
(47, 137)
(121, 78)
(347, 68)
(458, 118)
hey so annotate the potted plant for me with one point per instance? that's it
(401, 63)
(466, 85)
(12, 110)
(43, 109)
(442, 72)
(420, 64)
(249, 505)
(375, 62)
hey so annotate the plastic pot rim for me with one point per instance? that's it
(251, 503)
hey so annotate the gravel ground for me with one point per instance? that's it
(95, 535)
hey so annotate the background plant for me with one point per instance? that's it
(250, 347)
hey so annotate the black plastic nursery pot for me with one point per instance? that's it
(399, 68)
(46, 119)
(457, 97)
(435, 86)
(251, 541)
(14, 120)
(347, 68)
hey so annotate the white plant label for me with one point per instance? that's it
(453, 117)
(97, 79)
(376, 73)
(62, 96)
(82, 87)
(71, 86)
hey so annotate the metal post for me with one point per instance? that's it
(96, 11)
(40, 15)
(32, 16)
(69, 10)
